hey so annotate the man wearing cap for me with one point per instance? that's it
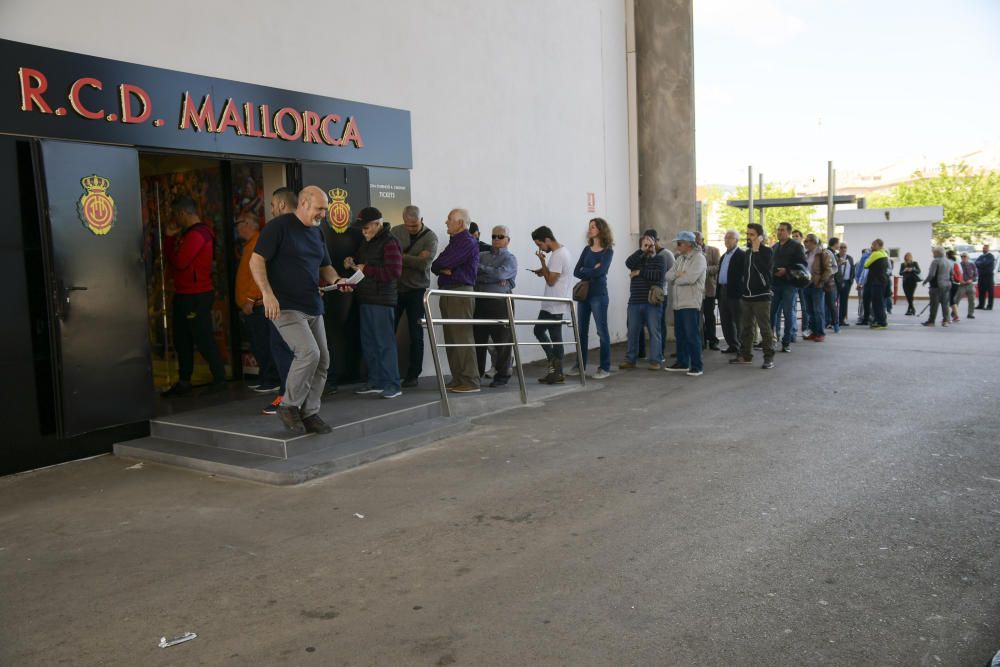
(287, 264)
(496, 273)
(687, 289)
(380, 259)
(456, 269)
(646, 270)
(713, 262)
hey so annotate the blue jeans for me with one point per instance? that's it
(783, 303)
(815, 308)
(598, 305)
(649, 316)
(378, 344)
(687, 329)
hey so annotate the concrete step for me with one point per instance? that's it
(326, 456)
(265, 435)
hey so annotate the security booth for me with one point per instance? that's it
(93, 153)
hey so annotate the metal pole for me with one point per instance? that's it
(760, 195)
(432, 339)
(750, 194)
(576, 336)
(163, 285)
(517, 350)
(829, 198)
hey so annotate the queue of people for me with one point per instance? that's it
(755, 287)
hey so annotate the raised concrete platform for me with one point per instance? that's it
(230, 437)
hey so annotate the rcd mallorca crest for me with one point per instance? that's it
(96, 208)
(339, 212)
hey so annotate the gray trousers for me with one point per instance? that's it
(305, 335)
(461, 360)
(756, 313)
(940, 296)
(969, 292)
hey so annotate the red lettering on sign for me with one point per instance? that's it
(202, 119)
(251, 119)
(352, 134)
(265, 121)
(77, 104)
(311, 132)
(126, 93)
(279, 119)
(229, 118)
(324, 129)
(33, 84)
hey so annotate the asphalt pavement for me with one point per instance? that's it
(841, 509)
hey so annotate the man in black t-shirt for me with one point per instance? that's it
(288, 262)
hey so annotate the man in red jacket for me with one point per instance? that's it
(188, 248)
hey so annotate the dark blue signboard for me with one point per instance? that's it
(50, 93)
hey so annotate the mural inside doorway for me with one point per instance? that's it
(163, 181)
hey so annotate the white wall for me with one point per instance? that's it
(912, 237)
(518, 106)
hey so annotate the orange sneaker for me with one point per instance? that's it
(272, 407)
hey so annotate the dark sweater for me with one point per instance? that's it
(787, 256)
(383, 262)
(651, 269)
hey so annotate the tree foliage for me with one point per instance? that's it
(971, 201)
(801, 217)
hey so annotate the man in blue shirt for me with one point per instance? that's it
(287, 264)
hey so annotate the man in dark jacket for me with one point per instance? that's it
(189, 249)
(755, 295)
(787, 254)
(986, 266)
(730, 276)
(877, 265)
(646, 269)
(381, 260)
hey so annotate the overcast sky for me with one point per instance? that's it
(786, 85)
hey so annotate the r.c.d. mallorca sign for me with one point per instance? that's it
(57, 94)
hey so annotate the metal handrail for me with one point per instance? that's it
(430, 323)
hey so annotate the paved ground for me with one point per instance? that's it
(842, 509)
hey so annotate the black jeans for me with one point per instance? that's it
(498, 334)
(729, 314)
(411, 302)
(193, 328)
(866, 303)
(986, 291)
(259, 328)
(845, 297)
(878, 303)
(909, 287)
(550, 335)
(708, 313)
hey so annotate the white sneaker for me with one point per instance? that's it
(601, 374)
(573, 371)
(490, 373)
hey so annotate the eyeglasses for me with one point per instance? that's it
(498, 236)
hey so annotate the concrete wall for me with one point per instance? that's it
(518, 107)
(908, 228)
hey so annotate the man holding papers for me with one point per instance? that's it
(287, 263)
(380, 259)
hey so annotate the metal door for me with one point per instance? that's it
(96, 280)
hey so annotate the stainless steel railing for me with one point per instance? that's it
(430, 322)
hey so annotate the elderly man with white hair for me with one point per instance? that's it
(730, 271)
(496, 274)
(687, 289)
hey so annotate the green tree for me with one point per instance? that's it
(801, 217)
(971, 201)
